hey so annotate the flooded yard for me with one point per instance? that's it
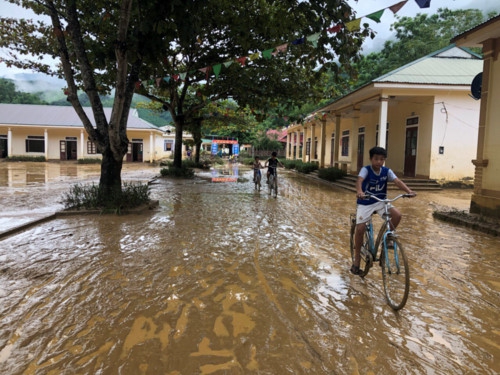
(224, 279)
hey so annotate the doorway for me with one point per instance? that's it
(411, 151)
(3, 146)
(135, 150)
(361, 150)
(67, 149)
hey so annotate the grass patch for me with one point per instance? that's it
(89, 161)
(26, 158)
(89, 197)
(300, 166)
(331, 174)
(182, 172)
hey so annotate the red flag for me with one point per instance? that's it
(396, 7)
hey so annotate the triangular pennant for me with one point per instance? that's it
(182, 76)
(227, 64)
(314, 39)
(396, 7)
(158, 81)
(242, 60)
(353, 25)
(217, 69)
(166, 79)
(298, 41)
(376, 16)
(336, 28)
(423, 3)
(267, 53)
(206, 70)
(254, 56)
(282, 48)
(175, 77)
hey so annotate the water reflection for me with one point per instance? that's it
(221, 279)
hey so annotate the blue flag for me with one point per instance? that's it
(423, 3)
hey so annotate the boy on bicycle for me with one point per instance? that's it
(273, 163)
(256, 171)
(373, 179)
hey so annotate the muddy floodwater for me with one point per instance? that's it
(223, 279)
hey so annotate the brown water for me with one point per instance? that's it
(221, 279)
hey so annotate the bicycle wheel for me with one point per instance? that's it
(271, 184)
(366, 258)
(395, 275)
(275, 186)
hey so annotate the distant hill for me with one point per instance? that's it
(50, 90)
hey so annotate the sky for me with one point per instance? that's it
(361, 7)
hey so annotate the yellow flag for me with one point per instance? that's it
(354, 25)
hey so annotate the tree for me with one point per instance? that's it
(417, 37)
(101, 45)
(224, 34)
(9, 94)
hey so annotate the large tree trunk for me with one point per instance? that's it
(179, 125)
(110, 183)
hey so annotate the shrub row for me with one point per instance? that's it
(89, 197)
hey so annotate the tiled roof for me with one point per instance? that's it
(449, 66)
(49, 115)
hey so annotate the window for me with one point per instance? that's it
(345, 143)
(35, 143)
(168, 145)
(91, 148)
(412, 121)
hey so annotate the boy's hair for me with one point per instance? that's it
(274, 153)
(378, 151)
(256, 157)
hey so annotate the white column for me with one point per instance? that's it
(304, 149)
(382, 127)
(46, 136)
(82, 144)
(151, 147)
(322, 142)
(338, 141)
(9, 142)
(313, 142)
(297, 143)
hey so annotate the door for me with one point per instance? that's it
(361, 150)
(137, 152)
(3, 147)
(411, 151)
(71, 150)
(62, 150)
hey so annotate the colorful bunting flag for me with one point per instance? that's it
(242, 60)
(314, 39)
(396, 7)
(298, 41)
(267, 53)
(217, 68)
(227, 64)
(282, 48)
(376, 16)
(353, 25)
(334, 29)
(182, 76)
(254, 56)
(423, 3)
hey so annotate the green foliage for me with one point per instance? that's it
(300, 166)
(25, 158)
(90, 197)
(331, 173)
(9, 94)
(173, 171)
(89, 161)
(415, 38)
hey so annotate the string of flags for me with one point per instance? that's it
(351, 26)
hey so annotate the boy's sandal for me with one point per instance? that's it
(356, 271)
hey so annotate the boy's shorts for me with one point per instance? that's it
(365, 212)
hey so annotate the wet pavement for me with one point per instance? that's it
(223, 279)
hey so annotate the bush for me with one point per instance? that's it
(182, 172)
(306, 167)
(89, 161)
(89, 197)
(26, 158)
(331, 173)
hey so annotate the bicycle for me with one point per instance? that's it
(273, 182)
(392, 259)
(257, 176)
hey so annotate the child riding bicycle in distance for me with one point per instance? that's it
(273, 163)
(373, 179)
(256, 171)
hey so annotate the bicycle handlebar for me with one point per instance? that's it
(386, 200)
